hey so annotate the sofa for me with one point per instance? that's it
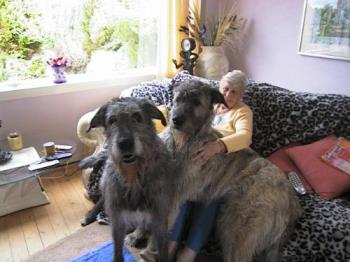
(282, 119)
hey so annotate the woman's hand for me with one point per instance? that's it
(208, 150)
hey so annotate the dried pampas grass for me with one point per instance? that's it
(217, 30)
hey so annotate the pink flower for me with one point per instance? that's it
(57, 61)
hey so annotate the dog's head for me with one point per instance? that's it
(129, 131)
(193, 106)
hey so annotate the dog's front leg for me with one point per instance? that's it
(92, 213)
(150, 253)
(159, 229)
(92, 160)
(160, 233)
(157, 246)
(118, 233)
(138, 236)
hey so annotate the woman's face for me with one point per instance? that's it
(232, 94)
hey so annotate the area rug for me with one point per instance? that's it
(103, 253)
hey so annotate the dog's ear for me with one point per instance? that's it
(217, 97)
(99, 118)
(151, 110)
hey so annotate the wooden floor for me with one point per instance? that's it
(28, 231)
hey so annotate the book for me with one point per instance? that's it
(338, 155)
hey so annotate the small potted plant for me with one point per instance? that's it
(58, 65)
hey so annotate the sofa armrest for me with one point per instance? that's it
(93, 139)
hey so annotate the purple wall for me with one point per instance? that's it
(269, 45)
(50, 118)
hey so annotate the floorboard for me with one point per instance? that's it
(27, 231)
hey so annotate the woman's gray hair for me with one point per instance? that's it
(236, 78)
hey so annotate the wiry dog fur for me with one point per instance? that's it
(260, 206)
(137, 182)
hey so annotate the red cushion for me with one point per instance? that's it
(326, 180)
(281, 159)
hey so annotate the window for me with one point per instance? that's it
(96, 36)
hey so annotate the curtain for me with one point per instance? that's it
(170, 37)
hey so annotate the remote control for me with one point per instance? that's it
(34, 167)
(63, 147)
(58, 155)
(296, 183)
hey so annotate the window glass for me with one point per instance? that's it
(96, 36)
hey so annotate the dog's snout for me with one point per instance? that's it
(126, 144)
(178, 120)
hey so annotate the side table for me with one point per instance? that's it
(21, 188)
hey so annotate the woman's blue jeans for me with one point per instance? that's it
(198, 220)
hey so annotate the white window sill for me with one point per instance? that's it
(45, 86)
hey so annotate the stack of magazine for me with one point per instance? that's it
(339, 155)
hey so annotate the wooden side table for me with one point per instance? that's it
(21, 188)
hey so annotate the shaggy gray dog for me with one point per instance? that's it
(260, 206)
(137, 183)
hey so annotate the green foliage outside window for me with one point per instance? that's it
(123, 32)
(26, 42)
(20, 39)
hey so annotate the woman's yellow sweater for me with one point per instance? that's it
(236, 126)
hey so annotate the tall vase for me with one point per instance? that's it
(212, 63)
(58, 74)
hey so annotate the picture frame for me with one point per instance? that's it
(325, 29)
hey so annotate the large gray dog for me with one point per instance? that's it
(137, 183)
(260, 206)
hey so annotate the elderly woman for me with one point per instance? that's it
(235, 123)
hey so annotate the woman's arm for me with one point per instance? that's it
(239, 136)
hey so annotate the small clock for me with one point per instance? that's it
(188, 57)
(188, 44)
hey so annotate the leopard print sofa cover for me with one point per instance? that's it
(282, 117)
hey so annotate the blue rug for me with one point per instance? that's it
(103, 253)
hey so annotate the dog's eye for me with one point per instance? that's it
(137, 117)
(112, 120)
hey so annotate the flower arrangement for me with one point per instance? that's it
(57, 61)
(58, 65)
(220, 29)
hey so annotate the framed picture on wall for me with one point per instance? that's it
(325, 29)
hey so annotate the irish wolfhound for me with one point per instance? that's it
(137, 182)
(260, 206)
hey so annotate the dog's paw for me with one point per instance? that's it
(149, 255)
(87, 220)
(86, 162)
(136, 238)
